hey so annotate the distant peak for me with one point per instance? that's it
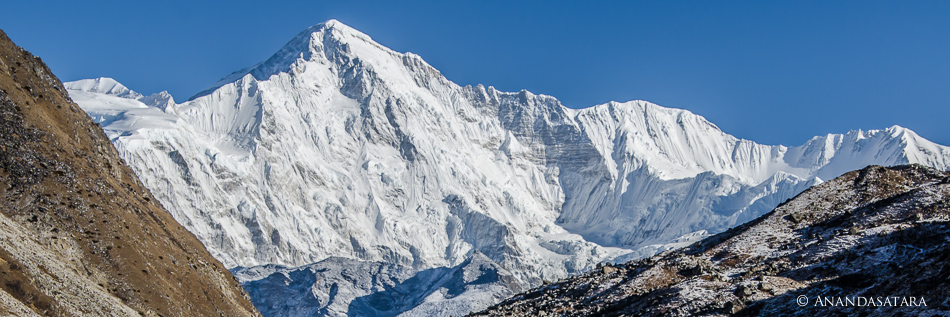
(109, 86)
(103, 85)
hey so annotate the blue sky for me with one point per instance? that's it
(773, 72)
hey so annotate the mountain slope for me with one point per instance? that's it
(80, 234)
(875, 234)
(339, 147)
(340, 286)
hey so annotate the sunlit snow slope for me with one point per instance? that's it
(339, 147)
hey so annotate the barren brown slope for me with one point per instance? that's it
(79, 234)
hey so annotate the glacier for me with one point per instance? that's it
(337, 151)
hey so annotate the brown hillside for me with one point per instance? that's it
(79, 234)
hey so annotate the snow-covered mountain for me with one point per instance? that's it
(339, 147)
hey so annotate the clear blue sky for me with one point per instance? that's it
(773, 72)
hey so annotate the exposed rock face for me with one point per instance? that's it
(79, 234)
(879, 234)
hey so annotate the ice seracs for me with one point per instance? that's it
(339, 147)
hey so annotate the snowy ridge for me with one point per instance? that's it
(109, 86)
(339, 147)
(829, 156)
(655, 153)
(103, 85)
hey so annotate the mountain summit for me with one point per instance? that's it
(327, 40)
(339, 147)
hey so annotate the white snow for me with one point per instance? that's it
(338, 146)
